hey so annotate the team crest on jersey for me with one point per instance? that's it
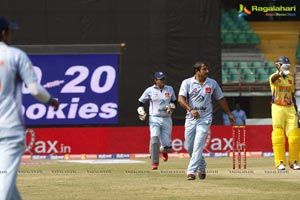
(194, 90)
(167, 94)
(290, 82)
(208, 90)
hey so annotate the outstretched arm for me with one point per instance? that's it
(275, 77)
(42, 95)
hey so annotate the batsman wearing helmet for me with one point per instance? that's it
(284, 115)
(162, 102)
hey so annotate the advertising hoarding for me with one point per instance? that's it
(128, 140)
(276, 10)
(86, 86)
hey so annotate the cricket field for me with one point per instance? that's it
(91, 180)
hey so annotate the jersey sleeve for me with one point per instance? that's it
(173, 97)
(183, 89)
(145, 96)
(244, 116)
(272, 85)
(218, 94)
(25, 68)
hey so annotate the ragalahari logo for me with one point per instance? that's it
(243, 11)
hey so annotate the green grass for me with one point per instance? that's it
(54, 180)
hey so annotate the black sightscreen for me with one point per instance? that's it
(160, 35)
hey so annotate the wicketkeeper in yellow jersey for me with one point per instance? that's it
(284, 115)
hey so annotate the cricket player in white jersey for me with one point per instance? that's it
(162, 103)
(15, 68)
(195, 95)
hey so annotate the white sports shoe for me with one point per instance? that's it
(281, 166)
(295, 166)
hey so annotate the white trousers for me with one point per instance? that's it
(195, 134)
(161, 127)
(11, 150)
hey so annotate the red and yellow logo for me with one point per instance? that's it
(208, 90)
(243, 11)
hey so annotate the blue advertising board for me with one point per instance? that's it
(86, 86)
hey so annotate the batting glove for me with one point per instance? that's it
(284, 72)
(142, 113)
(285, 67)
(54, 103)
(170, 108)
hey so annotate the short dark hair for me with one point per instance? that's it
(199, 64)
(6, 32)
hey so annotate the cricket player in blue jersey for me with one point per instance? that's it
(195, 96)
(162, 103)
(15, 68)
(239, 115)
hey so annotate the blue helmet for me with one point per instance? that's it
(282, 60)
